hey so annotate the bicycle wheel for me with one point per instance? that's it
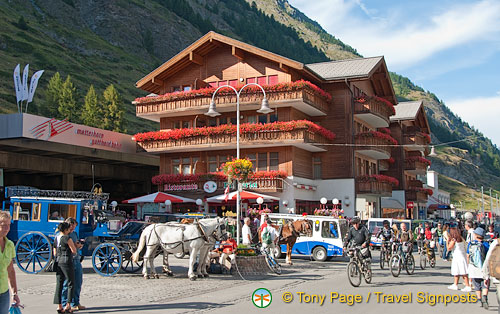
(395, 265)
(432, 261)
(273, 264)
(423, 260)
(382, 258)
(368, 272)
(410, 264)
(354, 274)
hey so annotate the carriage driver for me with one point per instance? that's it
(357, 235)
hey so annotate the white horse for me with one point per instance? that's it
(176, 238)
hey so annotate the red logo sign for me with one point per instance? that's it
(50, 128)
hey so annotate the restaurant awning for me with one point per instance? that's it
(159, 197)
(391, 203)
(245, 195)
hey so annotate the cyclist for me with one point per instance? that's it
(269, 235)
(406, 236)
(358, 236)
(387, 234)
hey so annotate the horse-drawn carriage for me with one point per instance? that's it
(36, 215)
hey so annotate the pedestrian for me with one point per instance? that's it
(439, 237)
(459, 264)
(420, 234)
(477, 250)
(445, 237)
(491, 234)
(491, 267)
(7, 271)
(469, 228)
(65, 250)
(246, 232)
(77, 265)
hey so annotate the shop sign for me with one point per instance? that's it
(210, 187)
(244, 185)
(180, 187)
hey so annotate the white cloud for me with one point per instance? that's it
(481, 112)
(405, 38)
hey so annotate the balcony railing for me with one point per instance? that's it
(416, 141)
(302, 138)
(261, 184)
(373, 147)
(415, 166)
(304, 98)
(416, 196)
(373, 112)
(414, 184)
(378, 188)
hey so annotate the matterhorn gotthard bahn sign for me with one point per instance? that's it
(63, 131)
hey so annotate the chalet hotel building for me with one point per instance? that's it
(330, 133)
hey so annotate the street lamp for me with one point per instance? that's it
(212, 112)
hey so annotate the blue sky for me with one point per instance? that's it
(451, 48)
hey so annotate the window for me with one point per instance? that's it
(27, 211)
(262, 162)
(58, 212)
(176, 89)
(262, 80)
(176, 166)
(233, 83)
(316, 167)
(273, 79)
(273, 161)
(201, 123)
(222, 120)
(186, 88)
(233, 121)
(262, 119)
(212, 84)
(186, 124)
(273, 117)
(250, 80)
(253, 159)
(177, 124)
(222, 83)
(252, 119)
(329, 230)
(212, 122)
(212, 164)
(186, 166)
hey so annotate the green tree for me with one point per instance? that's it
(113, 110)
(52, 96)
(68, 107)
(92, 112)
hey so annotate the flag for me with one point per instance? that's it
(34, 84)
(18, 85)
(25, 82)
(226, 193)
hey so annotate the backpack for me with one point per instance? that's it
(477, 254)
(266, 237)
(494, 261)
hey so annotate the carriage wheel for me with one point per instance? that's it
(33, 252)
(128, 265)
(107, 259)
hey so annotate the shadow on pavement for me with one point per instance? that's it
(153, 307)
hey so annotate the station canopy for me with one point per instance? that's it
(245, 195)
(159, 197)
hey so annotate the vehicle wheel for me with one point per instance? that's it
(33, 252)
(354, 274)
(277, 252)
(273, 265)
(382, 259)
(410, 264)
(368, 273)
(180, 255)
(319, 254)
(395, 265)
(128, 265)
(423, 260)
(107, 259)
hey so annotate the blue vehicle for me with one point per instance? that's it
(36, 215)
(326, 240)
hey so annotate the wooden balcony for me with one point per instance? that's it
(414, 184)
(416, 196)
(415, 167)
(304, 99)
(268, 185)
(302, 138)
(373, 147)
(373, 112)
(415, 141)
(377, 188)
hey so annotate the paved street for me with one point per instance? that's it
(126, 293)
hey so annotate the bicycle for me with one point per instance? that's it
(427, 255)
(403, 258)
(385, 253)
(358, 265)
(271, 261)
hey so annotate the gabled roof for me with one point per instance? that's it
(342, 69)
(407, 110)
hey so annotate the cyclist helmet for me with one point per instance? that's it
(355, 220)
(385, 222)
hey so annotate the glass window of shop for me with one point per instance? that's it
(273, 161)
(316, 167)
(262, 162)
(212, 163)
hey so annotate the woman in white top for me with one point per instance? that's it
(459, 264)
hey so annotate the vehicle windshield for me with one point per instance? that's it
(375, 226)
